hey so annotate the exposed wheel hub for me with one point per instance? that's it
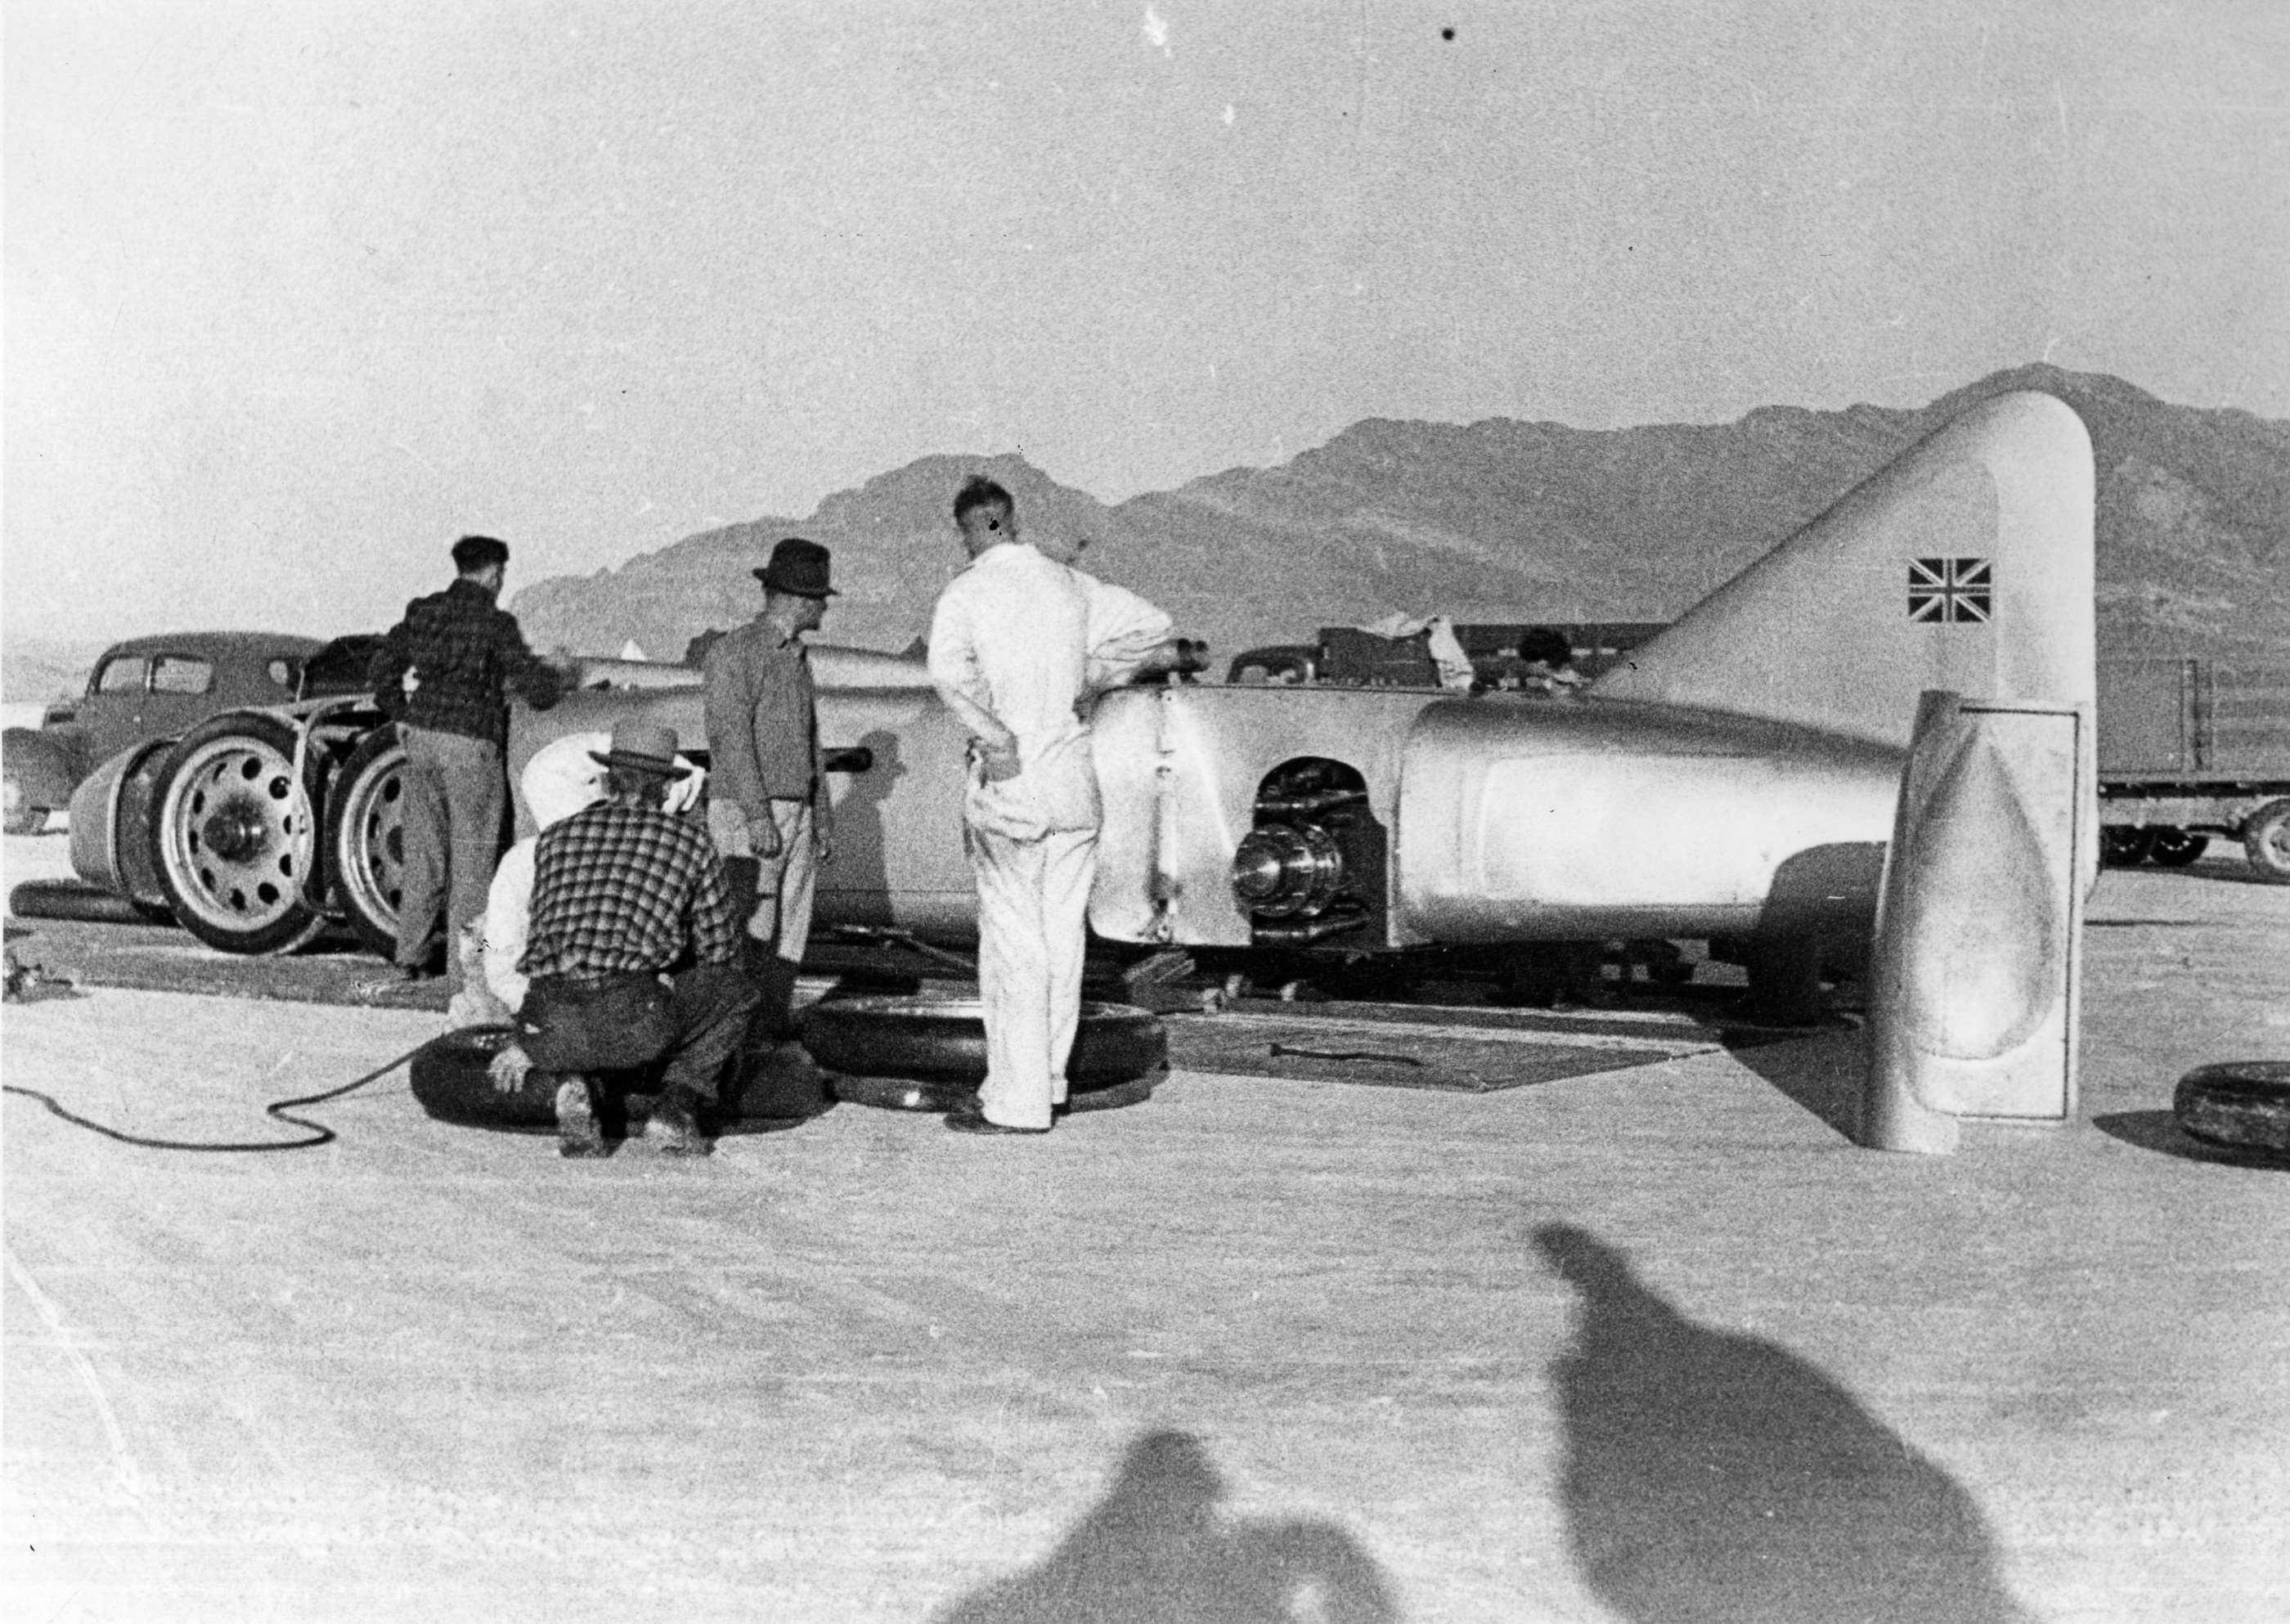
(235, 831)
(1284, 870)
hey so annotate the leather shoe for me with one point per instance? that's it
(973, 1119)
(577, 1132)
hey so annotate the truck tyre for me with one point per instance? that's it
(2122, 846)
(2243, 1104)
(234, 837)
(2177, 848)
(365, 839)
(1785, 981)
(2266, 837)
(76, 900)
(940, 1044)
(448, 1078)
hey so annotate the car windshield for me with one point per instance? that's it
(122, 674)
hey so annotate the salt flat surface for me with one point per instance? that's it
(1652, 1344)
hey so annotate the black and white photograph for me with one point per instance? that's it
(1145, 812)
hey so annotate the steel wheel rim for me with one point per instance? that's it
(238, 833)
(374, 838)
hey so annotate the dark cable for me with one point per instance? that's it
(281, 1109)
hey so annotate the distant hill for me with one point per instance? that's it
(33, 670)
(1505, 520)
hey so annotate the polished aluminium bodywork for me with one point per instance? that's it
(1734, 775)
(1737, 774)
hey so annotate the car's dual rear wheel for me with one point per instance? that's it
(365, 839)
(233, 834)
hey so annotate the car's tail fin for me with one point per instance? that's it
(1966, 564)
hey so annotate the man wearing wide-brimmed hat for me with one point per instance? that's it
(632, 952)
(768, 809)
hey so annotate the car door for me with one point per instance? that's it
(111, 716)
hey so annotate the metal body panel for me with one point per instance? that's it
(45, 763)
(2006, 489)
(111, 823)
(899, 857)
(1179, 768)
(1567, 820)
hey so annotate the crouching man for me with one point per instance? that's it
(631, 954)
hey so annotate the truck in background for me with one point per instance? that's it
(2191, 747)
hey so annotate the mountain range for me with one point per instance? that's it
(1493, 521)
(1503, 520)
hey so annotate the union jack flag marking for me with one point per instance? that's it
(1950, 589)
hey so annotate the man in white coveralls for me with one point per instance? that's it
(1020, 646)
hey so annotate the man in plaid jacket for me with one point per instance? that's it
(444, 674)
(633, 952)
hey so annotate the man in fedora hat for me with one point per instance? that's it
(768, 809)
(632, 951)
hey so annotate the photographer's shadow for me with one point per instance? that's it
(1158, 1549)
(1713, 1476)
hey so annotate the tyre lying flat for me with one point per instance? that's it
(2244, 1105)
(926, 1053)
(449, 1079)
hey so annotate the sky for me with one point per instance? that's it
(298, 291)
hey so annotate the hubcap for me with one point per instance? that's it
(235, 831)
(237, 834)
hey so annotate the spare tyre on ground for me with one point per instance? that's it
(929, 1054)
(2241, 1105)
(76, 900)
(450, 1079)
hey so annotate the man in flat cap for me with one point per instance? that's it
(444, 675)
(768, 808)
(633, 954)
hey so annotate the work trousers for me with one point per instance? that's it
(625, 1022)
(453, 829)
(1033, 928)
(778, 909)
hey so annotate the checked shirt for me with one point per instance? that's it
(622, 887)
(466, 653)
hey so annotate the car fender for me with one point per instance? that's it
(47, 763)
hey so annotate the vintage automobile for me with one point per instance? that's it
(144, 688)
(1735, 778)
(205, 827)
